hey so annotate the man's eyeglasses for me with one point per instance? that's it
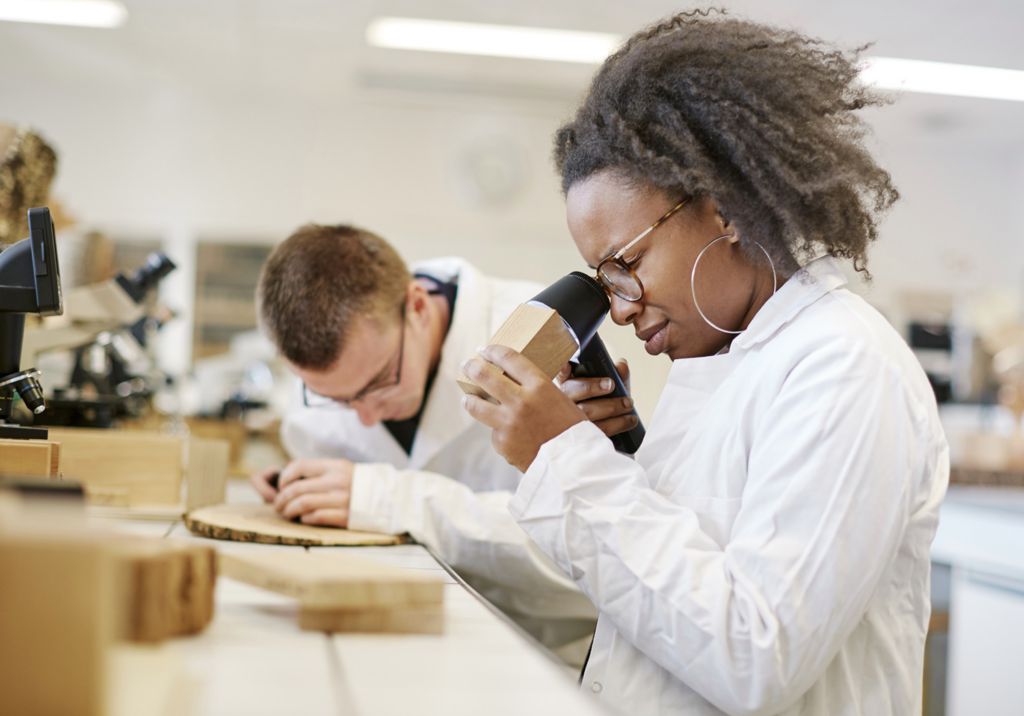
(616, 275)
(315, 400)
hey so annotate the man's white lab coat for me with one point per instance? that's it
(767, 552)
(452, 491)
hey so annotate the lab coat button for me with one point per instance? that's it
(596, 687)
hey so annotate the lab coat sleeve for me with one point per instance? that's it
(751, 624)
(472, 531)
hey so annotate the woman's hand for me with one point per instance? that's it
(612, 415)
(315, 491)
(531, 408)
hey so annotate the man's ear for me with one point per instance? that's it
(416, 299)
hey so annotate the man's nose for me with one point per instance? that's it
(624, 312)
(369, 413)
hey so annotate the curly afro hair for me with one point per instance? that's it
(758, 118)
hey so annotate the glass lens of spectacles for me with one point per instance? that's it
(620, 281)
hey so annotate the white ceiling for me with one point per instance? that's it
(314, 49)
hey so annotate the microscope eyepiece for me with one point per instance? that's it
(147, 276)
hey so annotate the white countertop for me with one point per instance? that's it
(254, 660)
(982, 528)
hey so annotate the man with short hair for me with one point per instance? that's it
(376, 418)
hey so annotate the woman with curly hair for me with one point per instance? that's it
(767, 551)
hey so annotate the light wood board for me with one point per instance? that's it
(539, 334)
(149, 466)
(422, 620)
(29, 458)
(334, 581)
(259, 523)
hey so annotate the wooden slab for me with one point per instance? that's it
(423, 620)
(148, 465)
(28, 458)
(259, 523)
(335, 581)
(539, 334)
(56, 624)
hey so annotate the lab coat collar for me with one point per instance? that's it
(817, 278)
(443, 416)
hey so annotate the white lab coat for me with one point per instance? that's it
(452, 491)
(767, 552)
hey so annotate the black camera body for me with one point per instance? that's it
(582, 304)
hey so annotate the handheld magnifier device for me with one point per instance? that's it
(582, 304)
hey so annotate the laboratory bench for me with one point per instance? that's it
(252, 659)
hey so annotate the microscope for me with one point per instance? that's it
(106, 324)
(29, 283)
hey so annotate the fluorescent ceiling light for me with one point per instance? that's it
(944, 78)
(537, 43)
(86, 13)
(467, 38)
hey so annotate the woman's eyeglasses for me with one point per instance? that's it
(315, 400)
(616, 275)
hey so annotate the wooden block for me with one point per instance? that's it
(539, 334)
(27, 458)
(57, 608)
(422, 620)
(207, 475)
(167, 587)
(231, 430)
(338, 582)
(148, 465)
(259, 523)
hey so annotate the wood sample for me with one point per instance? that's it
(29, 458)
(423, 620)
(144, 470)
(207, 475)
(343, 593)
(167, 587)
(259, 523)
(333, 581)
(539, 334)
(57, 621)
(148, 465)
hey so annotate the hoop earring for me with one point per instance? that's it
(693, 274)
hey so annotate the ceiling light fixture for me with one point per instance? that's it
(468, 38)
(85, 13)
(943, 78)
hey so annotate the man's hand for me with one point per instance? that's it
(261, 481)
(612, 415)
(315, 491)
(531, 410)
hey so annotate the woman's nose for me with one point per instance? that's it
(624, 312)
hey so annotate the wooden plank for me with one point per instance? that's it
(207, 475)
(56, 624)
(539, 334)
(259, 523)
(422, 620)
(148, 465)
(26, 458)
(336, 581)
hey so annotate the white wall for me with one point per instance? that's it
(154, 153)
